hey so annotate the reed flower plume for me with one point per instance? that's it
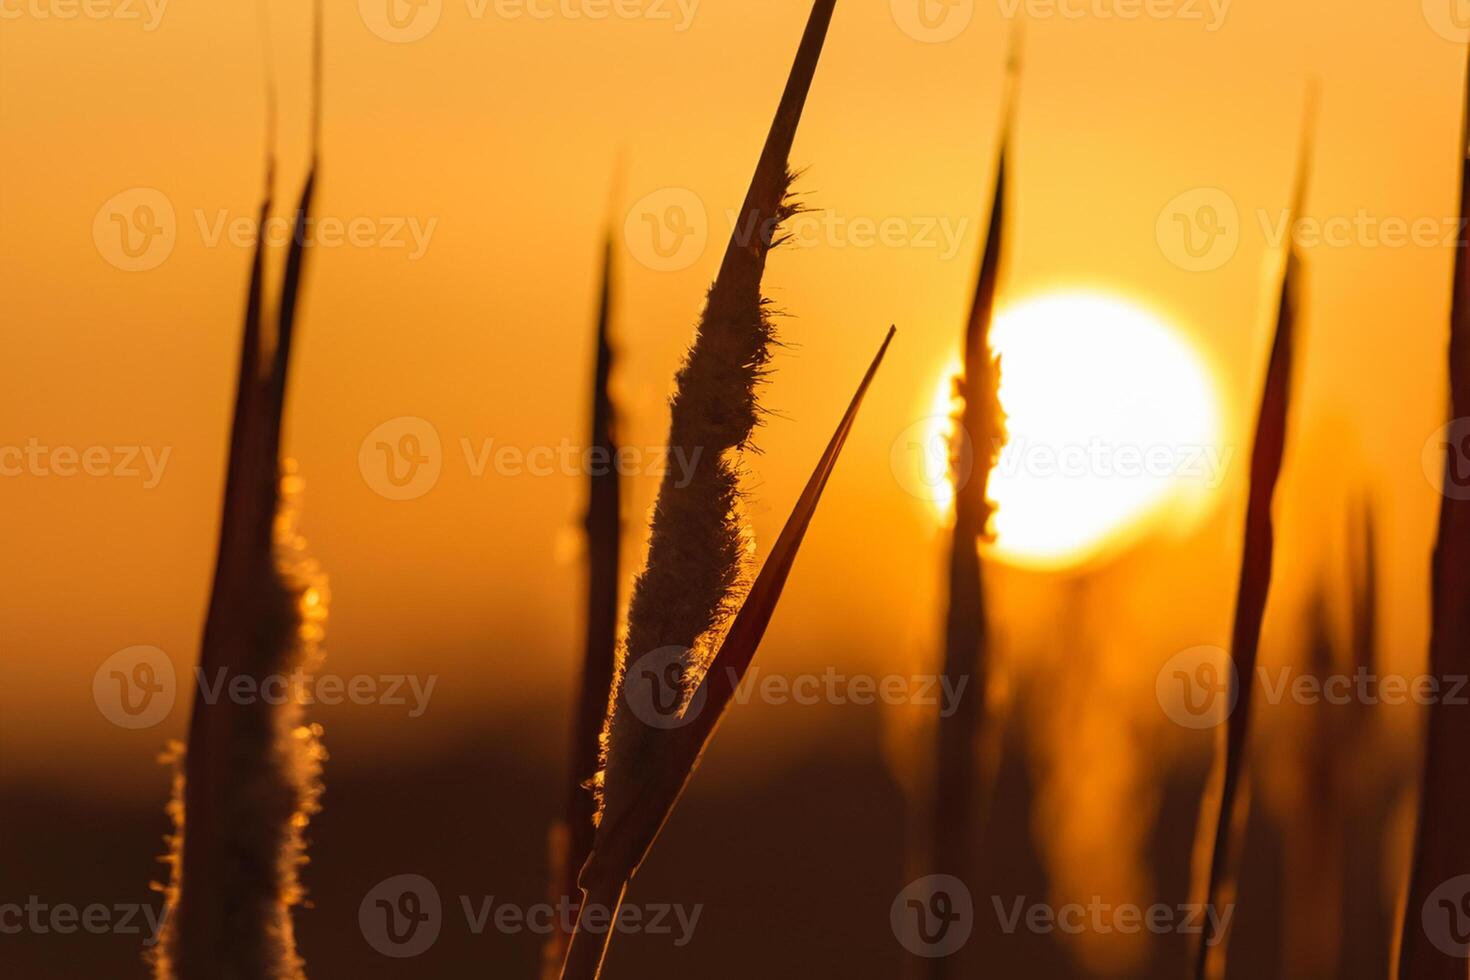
(1441, 846)
(696, 564)
(1223, 815)
(696, 561)
(249, 778)
(686, 612)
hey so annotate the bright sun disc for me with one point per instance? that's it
(1111, 420)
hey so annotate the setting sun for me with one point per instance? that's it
(1112, 422)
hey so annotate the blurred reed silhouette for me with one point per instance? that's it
(979, 433)
(572, 838)
(1442, 846)
(249, 778)
(1226, 806)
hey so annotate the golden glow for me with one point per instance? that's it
(1112, 423)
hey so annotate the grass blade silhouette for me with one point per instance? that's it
(1220, 837)
(980, 432)
(604, 538)
(250, 775)
(1442, 846)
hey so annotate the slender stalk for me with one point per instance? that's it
(1441, 846)
(589, 943)
(603, 526)
(1222, 830)
(980, 433)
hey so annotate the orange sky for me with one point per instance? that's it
(498, 138)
